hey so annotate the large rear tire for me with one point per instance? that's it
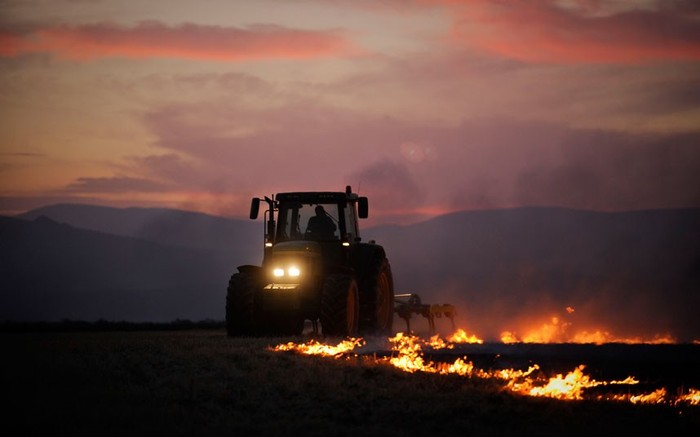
(384, 299)
(240, 305)
(340, 306)
(377, 285)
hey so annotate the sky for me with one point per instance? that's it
(424, 106)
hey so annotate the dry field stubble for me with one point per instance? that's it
(199, 382)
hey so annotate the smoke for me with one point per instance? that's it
(626, 274)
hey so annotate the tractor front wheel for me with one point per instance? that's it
(240, 308)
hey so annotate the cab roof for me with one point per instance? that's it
(316, 196)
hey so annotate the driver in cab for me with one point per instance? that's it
(321, 225)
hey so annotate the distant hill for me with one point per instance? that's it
(166, 226)
(52, 271)
(631, 272)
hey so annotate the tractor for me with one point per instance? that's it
(315, 268)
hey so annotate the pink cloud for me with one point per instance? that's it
(546, 31)
(482, 163)
(116, 184)
(188, 41)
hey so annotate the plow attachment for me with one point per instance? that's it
(405, 305)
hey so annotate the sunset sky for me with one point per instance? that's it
(425, 106)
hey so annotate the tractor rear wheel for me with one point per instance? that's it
(240, 306)
(340, 306)
(384, 299)
(377, 285)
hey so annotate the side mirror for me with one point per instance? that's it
(254, 208)
(363, 208)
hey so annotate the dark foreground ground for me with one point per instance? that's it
(199, 382)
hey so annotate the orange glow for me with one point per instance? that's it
(570, 386)
(313, 347)
(549, 335)
(407, 355)
(558, 330)
(656, 397)
(188, 41)
(508, 337)
(692, 397)
(460, 336)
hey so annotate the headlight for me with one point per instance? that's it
(291, 271)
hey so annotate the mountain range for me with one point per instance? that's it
(632, 273)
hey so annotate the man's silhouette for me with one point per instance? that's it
(321, 225)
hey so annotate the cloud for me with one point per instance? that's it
(604, 171)
(483, 163)
(390, 185)
(579, 32)
(117, 184)
(23, 154)
(152, 39)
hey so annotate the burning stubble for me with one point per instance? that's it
(409, 353)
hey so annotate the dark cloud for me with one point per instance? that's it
(390, 185)
(612, 171)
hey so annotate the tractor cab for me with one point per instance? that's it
(315, 267)
(316, 220)
(313, 216)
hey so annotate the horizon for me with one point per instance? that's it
(370, 222)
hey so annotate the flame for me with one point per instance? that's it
(557, 330)
(313, 347)
(570, 386)
(410, 358)
(508, 337)
(408, 355)
(553, 333)
(460, 336)
(692, 397)
(438, 343)
(656, 397)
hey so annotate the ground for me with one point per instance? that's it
(200, 382)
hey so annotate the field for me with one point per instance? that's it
(199, 382)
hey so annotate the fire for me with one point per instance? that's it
(553, 333)
(508, 337)
(570, 386)
(558, 330)
(313, 347)
(692, 397)
(460, 336)
(656, 397)
(408, 355)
